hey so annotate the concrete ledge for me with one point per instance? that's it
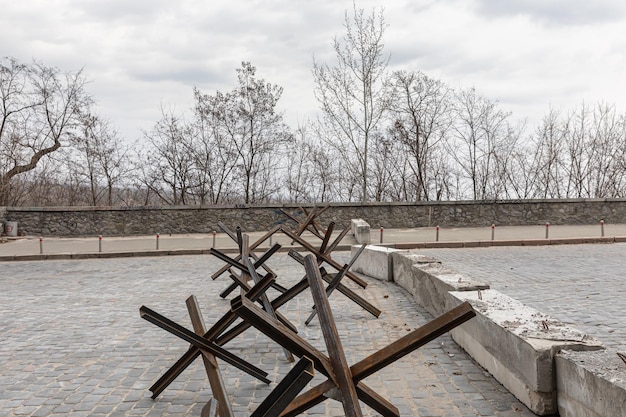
(361, 231)
(407, 246)
(590, 384)
(501, 243)
(129, 254)
(474, 244)
(443, 244)
(567, 241)
(598, 240)
(429, 281)
(375, 261)
(535, 242)
(517, 345)
(508, 242)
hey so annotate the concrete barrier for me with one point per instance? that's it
(590, 384)
(429, 281)
(375, 261)
(515, 343)
(361, 231)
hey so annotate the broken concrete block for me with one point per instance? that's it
(375, 261)
(590, 384)
(429, 281)
(361, 231)
(517, 345)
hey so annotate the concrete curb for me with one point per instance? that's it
(131, 254)
(511, 242)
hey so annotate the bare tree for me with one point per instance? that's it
(546, 167)
(100, 158)
(607, 152)
(215, 157)
(594, 140)
(39, 106)
(248, 118)
(167, 167)
(355, 93)
(301, 179)
(481, 136)
(575, 154)
(423, 113)
(385, 167)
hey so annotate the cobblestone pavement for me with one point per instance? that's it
(73, 344)
(581, 285)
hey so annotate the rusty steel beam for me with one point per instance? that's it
(339, 363)
(193, 352)
(384, 357)
(310, 399)
(276, 331)
(282, 299)
(267, 306)
(253, 246)
(323, 257)
(329, 232)
(329, 290)
(202, 343)
(366, 305)
(232, 287)
(234, 262)
(272, 328)
(305, 224)
(338, 239)
(286, 390)
(309, 222)
(376, 401)
(334, 283)
(210, 363)
(319, 211)
(211, 409)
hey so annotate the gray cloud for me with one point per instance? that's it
(557, 11)
(143, 53)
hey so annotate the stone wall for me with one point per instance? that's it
(85, 221)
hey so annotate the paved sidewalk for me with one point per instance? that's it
(73, 343)
(31, 248)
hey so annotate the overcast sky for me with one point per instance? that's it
(141, 54)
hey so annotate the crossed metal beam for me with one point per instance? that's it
(334, 283)
(323, 254)
(309, 223)
(247, 272)
(208, 336)
(221, 406)
(282, 395)
(249, 249)
(344, 382)
(201, 343)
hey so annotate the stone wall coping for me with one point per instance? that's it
(307, 205)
